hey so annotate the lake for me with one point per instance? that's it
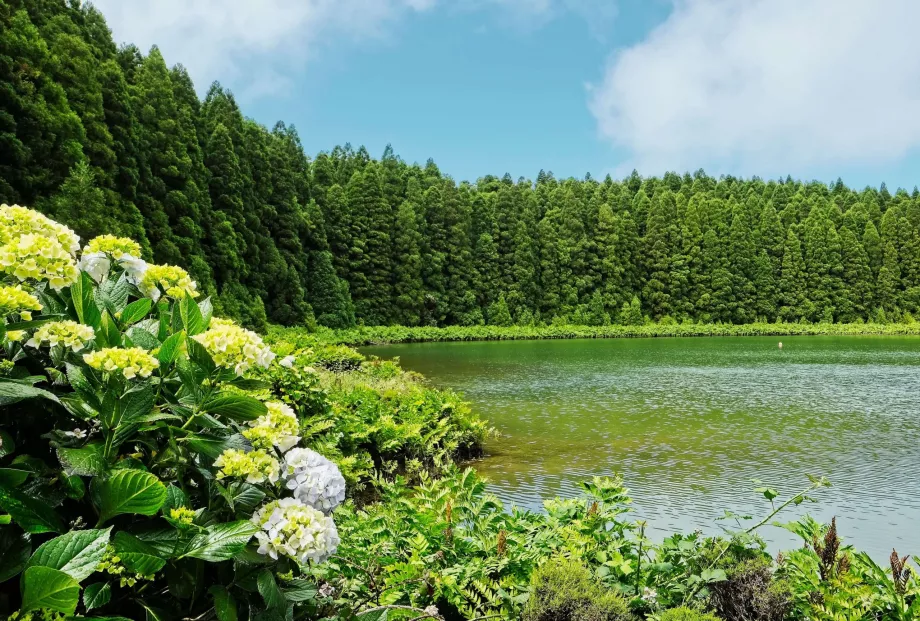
(689, 422)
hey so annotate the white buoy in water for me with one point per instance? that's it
(780, 344)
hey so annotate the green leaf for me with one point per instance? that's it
(137, 556)
(127, 491)
(200, 356)
(143, 338)
(31, 514)
(175, 498)
(12, 391)
(84, 303)
(171, 348)
(713, 575)
(221, 542)
(7, 445)
(34, 323)
(244, 383)
(108, 334)
(235, 406)
(299, 590)
(44, 587)
(244, 497)
(224, 605)
(113, 294)
(212, 446)
(377, 615)
(135, 311)
(86, 461)
(76, 553)
(269, 590)
(15, 549)
(73, 485)
(97, 595)
(192, 321)
(138, 403)
(207, 310)
(13, 477)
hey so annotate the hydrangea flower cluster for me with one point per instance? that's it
(182, 514)
(290, 528)
(13, 300)
(39, 258)
(234, 347)
(278, 427)
(67, 333)
(254, 466)
(114, 246)
(16, 221)
(169, 279)
(131, 362)
(315, 481)
(14, 336)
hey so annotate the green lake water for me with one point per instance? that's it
(690, 422)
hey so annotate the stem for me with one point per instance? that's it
(800, 495)
(639, 561)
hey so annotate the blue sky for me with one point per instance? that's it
(811, 88)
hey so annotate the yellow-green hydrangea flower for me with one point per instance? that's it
(67, 333)
(234, 347)
(39, 258)
(13, 300)
(16, 221)
(14, 336)
(169, 279)
(182, 514)
(254, 466)
(130, 362)
(277, 427)
(114, 246)
(287, 527)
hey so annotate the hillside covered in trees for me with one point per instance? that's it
(111, 140)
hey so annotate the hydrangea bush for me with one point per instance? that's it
(140, 475)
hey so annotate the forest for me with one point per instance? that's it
(111, 140)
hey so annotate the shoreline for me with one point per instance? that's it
(390, 335)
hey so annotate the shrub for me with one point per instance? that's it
(689, 614)
(751, 593)
(565, 590)
(128, 475)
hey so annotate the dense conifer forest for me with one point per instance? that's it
(112, 140)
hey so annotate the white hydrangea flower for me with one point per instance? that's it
(96, 264)
(315, 480)
(287, 362)
(134, 270)
(67, 333)
(291, 528)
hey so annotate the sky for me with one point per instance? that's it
(816, 89)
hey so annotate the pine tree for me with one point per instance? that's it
(857, 279)
(498, 313)
(792, 284)
(407, 266)
(371, 246)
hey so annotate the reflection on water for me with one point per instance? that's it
(690, 422)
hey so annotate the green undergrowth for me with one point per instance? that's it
(376, 335)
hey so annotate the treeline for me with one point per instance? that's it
(110, 140)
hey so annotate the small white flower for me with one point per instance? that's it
(96, 264)
(287, 362)
(432, 611)
(650, 595)
(77, 433)
(326, 590)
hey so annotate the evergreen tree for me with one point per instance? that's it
(857, 278)
(407, 266)
(792, 284)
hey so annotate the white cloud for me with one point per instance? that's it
(253, 43)
(766, 87)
